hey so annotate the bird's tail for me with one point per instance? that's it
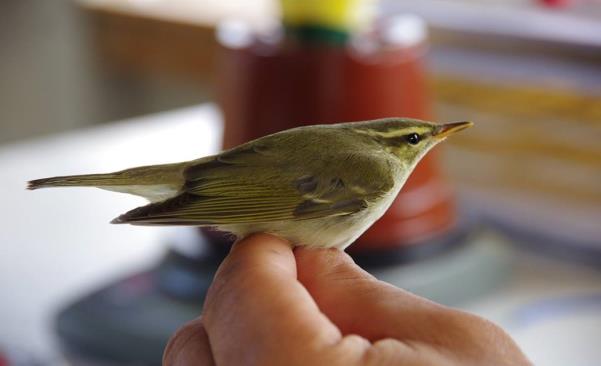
(87, 180)
(154, 182)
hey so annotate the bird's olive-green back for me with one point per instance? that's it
(298, 174)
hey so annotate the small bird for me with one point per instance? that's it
(319, 186)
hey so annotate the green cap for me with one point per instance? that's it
(326, 20)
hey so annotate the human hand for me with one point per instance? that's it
(270, 305)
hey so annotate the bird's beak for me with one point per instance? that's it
(442, 131)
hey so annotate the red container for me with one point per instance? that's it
(266, 87)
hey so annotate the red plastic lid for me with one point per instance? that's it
(555, 3)
(3, 360)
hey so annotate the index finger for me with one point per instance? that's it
(257, 307)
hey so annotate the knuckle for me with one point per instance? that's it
(388, 351)
(183, 336)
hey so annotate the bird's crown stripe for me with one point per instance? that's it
(393, 133)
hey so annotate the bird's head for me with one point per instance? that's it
(408, 139)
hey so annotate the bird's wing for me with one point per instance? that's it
(235, 188)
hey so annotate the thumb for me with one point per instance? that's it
(357, 302)
(360, 304)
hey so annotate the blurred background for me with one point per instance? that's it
(504, 220)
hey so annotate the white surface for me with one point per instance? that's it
(551, 309)
(57, 244)
(507, 18)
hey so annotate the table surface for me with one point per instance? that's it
(56, 245)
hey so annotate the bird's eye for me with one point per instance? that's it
(413, 138)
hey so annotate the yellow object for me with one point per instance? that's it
(346, 15)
